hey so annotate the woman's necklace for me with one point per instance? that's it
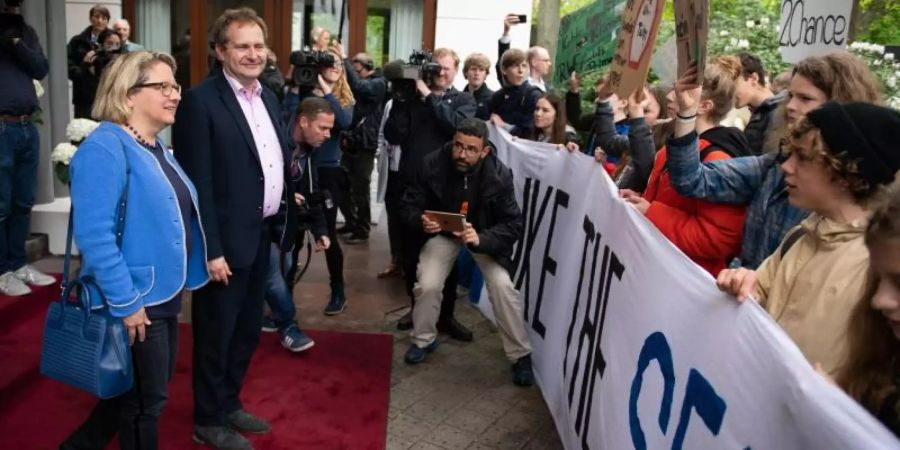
(138, 137)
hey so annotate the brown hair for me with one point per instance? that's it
(512, 57)
(837, 161)
(477, 60)
(719, 83)
(558, 129)
(444, 51)
(873, 358)
(99, 9)
(118, 80)
(242, 16)
(840, 75)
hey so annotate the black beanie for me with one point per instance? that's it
(870, 134)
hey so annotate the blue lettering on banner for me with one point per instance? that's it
(699, 396)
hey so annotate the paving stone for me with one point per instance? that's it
(407, 427)
(423, 445)
(402, 399)
(519, 419)
(449, 437)
(468, 420)
(480, 446)
(544, 443)
(488, 408)
(395, 442)
(504, 439)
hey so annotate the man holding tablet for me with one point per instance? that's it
(464, 196)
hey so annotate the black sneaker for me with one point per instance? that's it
(358, 237)
(455, 329)
(523, 374)
(245, 422)
(268, 325)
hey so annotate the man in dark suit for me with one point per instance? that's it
(230, 139)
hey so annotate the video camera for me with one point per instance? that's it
(403, 77)
(307, 64)
(104, 56)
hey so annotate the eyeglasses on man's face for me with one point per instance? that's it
(459, 147)
(163, 87)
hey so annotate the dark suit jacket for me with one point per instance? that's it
(214, 145)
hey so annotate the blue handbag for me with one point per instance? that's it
(84, 348)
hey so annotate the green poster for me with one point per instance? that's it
(587, 39)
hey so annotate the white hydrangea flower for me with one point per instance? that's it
(733, 42)
(724, 33)
(856, 46)
(891, 82)
(743, 43)
(751, 24)
(78, 129)
(889, 56)
(878, 48)
(764, 20)
(877, 62)
(38, 88)
(63, 153)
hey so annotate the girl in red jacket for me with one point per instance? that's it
(708, 233)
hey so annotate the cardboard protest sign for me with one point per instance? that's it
(640, 23)
(587, 40)
(691, 33)
(813, 28)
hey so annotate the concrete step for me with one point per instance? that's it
(37, 247)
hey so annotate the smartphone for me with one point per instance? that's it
(523, 18)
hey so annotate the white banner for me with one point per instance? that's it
(813, 27)
(634, 347)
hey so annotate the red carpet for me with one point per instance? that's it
(334, 396)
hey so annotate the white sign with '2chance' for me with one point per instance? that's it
(813, 27)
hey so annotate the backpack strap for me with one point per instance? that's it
(790, 239)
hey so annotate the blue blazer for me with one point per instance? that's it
(153, 265)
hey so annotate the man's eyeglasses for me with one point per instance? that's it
(460, 148)
(163, 87)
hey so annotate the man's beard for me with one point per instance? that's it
(462, 165)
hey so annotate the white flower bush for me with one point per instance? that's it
(63, 153)
(78, 129)
(884, 66)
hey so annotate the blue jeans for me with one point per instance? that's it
(19, 149)
(278, 292)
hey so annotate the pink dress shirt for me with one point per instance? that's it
(266, 139)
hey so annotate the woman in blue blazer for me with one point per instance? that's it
(162, 249)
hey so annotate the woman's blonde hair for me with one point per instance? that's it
(341, 87)
(873, 357)
(118, 80)
(719, 83)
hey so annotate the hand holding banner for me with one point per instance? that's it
(640, 23)
(691, 31)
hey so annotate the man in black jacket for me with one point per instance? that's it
(21, 61)
(369, 90)
(421, 126)
(229, 138)
(315, 119)
(466, 177)
(82, 51)
(753, 92)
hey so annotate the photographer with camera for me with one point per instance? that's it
(82, 54)
(425, 112)
(315, 119)
(321, 74)
(361, 140)
(21, 61)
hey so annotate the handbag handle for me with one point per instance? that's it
(122, 205)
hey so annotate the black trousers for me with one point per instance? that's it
(359, 167)
(134, 416)
(226, 328)
(406, 244)
(334, 180)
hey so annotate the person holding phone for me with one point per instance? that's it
(465, 176)
(539, 62)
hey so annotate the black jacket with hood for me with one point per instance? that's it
(760, 122)
(493, 210)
